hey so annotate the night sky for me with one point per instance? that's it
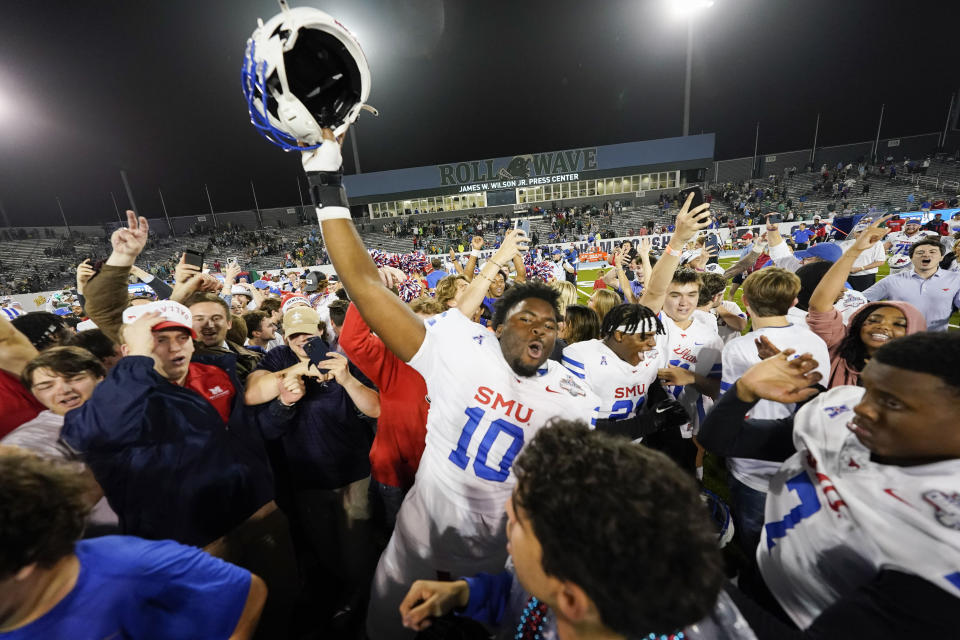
(88, 88)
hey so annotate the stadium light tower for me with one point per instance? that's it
(687, 10)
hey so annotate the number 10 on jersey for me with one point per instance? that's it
(480, 465)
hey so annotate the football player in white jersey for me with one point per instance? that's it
(767, 294)
(622, 364)
(899, 243)
(690, 350)
(489, 392)
(862, 531)
(727, 315)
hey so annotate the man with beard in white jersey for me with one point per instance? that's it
(862, 531)
(767, 295)
(489, 393)
(899, 243)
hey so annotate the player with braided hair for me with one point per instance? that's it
(621, 365)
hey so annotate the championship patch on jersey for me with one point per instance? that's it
(946, 507)
(568, 384)
(833, 412)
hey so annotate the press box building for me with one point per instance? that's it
(630, 172)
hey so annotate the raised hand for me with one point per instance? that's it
(429, 599)
(231, 272)
(390, 276)
(780, 379)
(129, 242)
(514, 241)
(184, 271)
(85, 271)
(872, 234)
(476, 243)
(327, 157)
(645, 246)
(690, 221)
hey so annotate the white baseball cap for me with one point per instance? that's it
(174, 314)
(239, 290)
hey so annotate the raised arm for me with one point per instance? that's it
(831, 286)
(399, 328)
(622, 281)
(725, 431)
(513, 242)
(476, 243)
(105, 294)
(455, 261)
(688, 223)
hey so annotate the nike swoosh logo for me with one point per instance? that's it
(551, 390)
(658, 410)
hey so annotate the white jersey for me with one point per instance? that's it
(695, 348)
(848, 304)
(620, 387)
(835, 518)
(727, 333)
(900, 242)
(481, 414)
(739, 355)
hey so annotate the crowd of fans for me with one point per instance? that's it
(490, 447)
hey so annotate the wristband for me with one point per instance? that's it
(326, 191)
(670, 251)
(475, 253)
(332, 213)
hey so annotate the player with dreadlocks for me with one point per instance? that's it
(622, 364)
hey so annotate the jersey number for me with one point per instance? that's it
(459, 455)
(622, 409)
(809, 505)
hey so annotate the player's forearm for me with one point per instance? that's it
(625, 286)
(732, 320)
(473, 295)
(707, 386)
(470, 268)
(521, 269)
(655, 287)
(384, 312)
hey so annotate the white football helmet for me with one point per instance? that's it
(714, 268)
(303, 71)
(898, 261)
